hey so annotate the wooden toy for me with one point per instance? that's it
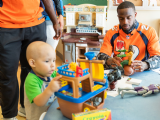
(73, 97)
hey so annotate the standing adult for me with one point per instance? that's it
(21, 22)
(58, 7)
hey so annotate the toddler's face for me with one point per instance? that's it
(45, 64)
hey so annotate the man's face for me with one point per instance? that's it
(126, 17)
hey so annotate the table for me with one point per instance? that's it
(131, 107)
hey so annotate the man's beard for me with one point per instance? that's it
(131, 29)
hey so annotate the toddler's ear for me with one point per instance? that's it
(31, 62)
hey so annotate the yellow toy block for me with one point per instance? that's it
(63, 83)
(97, 71)
(80, 85)
(96, 87)
(105, 95)
(63, 91)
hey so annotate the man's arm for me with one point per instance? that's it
(109, 60)
(153, 48)
(106, 51)
(59, 8)
(153, 62)
(50, 11)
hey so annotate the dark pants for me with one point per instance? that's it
(13, 44)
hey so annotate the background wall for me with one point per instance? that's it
(78, 2)
(148, 17)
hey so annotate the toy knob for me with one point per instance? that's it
(90, 55)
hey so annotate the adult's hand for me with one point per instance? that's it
(114, 60)
(139, 66)
(58, 32)
(50, 10)
(60, 21)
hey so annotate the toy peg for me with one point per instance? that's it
(79, 71)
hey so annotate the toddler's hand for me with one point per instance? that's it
(55, 84)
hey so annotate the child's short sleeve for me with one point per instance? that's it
(33, 86)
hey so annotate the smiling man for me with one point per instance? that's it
(130, 32)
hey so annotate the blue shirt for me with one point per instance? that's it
(58, 6)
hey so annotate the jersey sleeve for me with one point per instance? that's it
(59, 6)
(106, 46)
(153, 45)
(32, 87)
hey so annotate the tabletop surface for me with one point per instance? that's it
(131, 107)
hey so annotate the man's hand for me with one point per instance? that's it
(139, 66)
(50, 10)
(60, 21)
(58, 32)
(55, 84)
(115, 60)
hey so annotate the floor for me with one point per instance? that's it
(58, 63)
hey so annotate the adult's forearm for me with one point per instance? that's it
(50, 10)
(103, 56)
(153, 62)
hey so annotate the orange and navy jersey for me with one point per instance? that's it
(143, 38)
(20, 13)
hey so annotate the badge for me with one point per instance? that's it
(127, 37)
(120, 45)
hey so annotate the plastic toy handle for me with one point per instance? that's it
(54, 74)
(122, 50)
(121, 55)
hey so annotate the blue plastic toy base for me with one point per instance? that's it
(84, 95)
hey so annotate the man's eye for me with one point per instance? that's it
(46, 61)
(53, 60)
